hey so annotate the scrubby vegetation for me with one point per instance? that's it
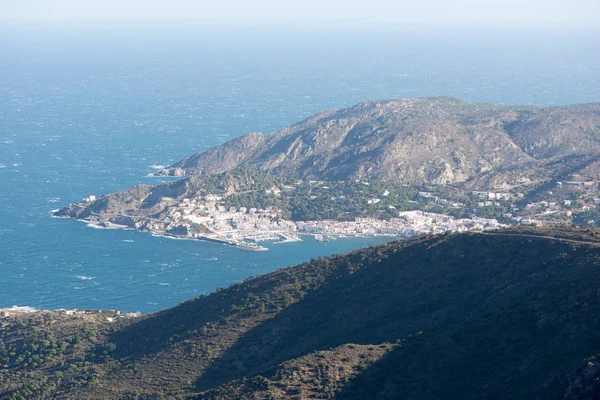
(454, 316)
(238, 180)
(338, 200)
(40, 351)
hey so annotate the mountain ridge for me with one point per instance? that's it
(412, 141)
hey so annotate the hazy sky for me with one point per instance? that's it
(564, 12)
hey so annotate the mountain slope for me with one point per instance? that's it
(431, 140)
(457, 316)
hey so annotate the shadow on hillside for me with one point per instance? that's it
(163, 329)
(427, 287)
(457, 361)
(334, 310)
(526, 344)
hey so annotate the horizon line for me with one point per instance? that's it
(303, 22)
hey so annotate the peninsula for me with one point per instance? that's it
(245, 207)
(396, 168)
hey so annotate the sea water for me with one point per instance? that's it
(91, 110)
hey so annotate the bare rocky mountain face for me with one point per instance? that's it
(415, 141)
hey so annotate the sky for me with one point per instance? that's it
(482, 12)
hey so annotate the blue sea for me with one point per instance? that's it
(89, 109)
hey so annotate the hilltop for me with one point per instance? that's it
(512, 314)
(415, 141)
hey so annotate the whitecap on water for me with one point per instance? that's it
(84, 278)
(95, 226)
(164, 283)
(128, 240)
(23, 308)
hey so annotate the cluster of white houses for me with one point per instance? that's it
(408, 223)
(253, 224)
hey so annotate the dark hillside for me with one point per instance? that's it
(504, 324)
(509, 315)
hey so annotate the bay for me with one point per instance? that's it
(89, 111)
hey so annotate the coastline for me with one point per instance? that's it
(227, 242)
(245, 229)
(7, 312)
(110, 225)
(240, 245)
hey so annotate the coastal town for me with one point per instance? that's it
(260, 225)
(105, 315)
(249, 209)
(560, 203)
(574, 200)
(205, 218)
(264, 225)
